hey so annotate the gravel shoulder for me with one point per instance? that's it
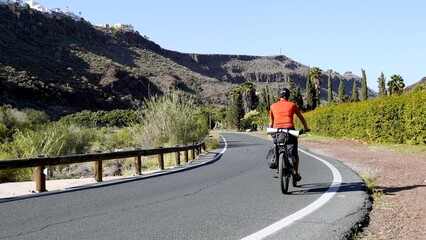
(399, 209)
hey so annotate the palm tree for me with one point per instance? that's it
(396, 85)
(248, 96)
(315, 75)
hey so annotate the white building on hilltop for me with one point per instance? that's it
(123, 26)
(37, 6)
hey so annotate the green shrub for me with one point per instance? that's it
(51, 140)
(250, 119)
(88, 119)
(12, 120)
(395, 119)
(16, 175)
(110, 140)
(170, 119)
(4, 132)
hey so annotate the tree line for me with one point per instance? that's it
(247, 107)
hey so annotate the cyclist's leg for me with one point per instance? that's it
(296, 157)
(293, 142)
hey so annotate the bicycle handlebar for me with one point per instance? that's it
(295, 133)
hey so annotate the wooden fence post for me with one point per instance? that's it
(177, 157)
(186, 155)
(192, 154)
(98, 171)
(40, 179)
(161, 161)
(138, 165)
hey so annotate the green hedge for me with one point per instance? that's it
(395, 119)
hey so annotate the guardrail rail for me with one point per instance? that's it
(40, 163)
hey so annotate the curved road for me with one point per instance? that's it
(236, 196)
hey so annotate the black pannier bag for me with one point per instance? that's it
(280, 138)
(270, 159)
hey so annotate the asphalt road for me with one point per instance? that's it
(234, 196)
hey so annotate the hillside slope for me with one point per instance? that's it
(54, 63)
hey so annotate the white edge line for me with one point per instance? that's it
(334, 187)
(226, 144)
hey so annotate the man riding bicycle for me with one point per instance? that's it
(281, 116)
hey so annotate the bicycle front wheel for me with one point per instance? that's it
(283, 173)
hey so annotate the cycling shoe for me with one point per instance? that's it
(297, 177)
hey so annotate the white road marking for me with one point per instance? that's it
(334, 187)
(226, 145)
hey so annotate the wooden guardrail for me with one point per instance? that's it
(40, 163)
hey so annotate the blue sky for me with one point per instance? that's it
(375, 35)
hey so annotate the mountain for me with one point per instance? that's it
(421, 83)
(62, 65)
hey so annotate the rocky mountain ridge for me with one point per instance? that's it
(54, 63)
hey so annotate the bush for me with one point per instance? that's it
(111, 140)
(171, 120)
(12, 120)
(395, 119)
(88, 119)
(51, 140)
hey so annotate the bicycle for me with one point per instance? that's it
(285, 168)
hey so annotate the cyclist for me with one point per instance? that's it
(281, 116)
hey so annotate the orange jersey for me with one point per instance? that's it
(282, 113)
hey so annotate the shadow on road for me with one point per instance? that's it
(394, 190)
(320, 188)
(236, 144)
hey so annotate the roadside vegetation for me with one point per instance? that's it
(163, 121)
(398, 119)
(395, 117)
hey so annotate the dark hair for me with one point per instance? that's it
(284, 93)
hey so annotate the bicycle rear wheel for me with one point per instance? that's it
(283, 173)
